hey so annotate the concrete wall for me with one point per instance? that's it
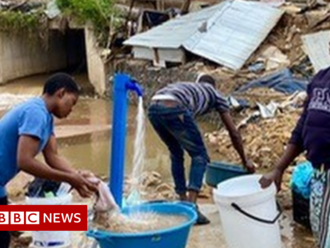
(20, 56)
(96, 70)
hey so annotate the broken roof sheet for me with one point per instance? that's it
(316, 46)
(173, 33)
(234, 32)
(227, 33)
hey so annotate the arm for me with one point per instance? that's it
(236, 138)
(26, 152)
(294, 148)
(53, 159)
(291, 152)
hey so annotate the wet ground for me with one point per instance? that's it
(84, 139)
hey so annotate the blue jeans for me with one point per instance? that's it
(177, 129)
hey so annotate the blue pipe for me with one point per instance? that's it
(122, 84)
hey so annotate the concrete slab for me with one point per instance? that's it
(70, 131)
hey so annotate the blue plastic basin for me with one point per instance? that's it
(217, 172)
(174, 237)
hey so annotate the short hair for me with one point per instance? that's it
(206, 79)
(58, 81)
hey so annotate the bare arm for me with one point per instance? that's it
(53, 159)
(294, 148)
(234, 134)
(291, 152)
(26, 152)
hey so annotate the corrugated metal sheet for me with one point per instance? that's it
(231, 32)
(173, 33)
(234, 32)
(316, 46)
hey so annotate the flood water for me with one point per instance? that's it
(93, 151)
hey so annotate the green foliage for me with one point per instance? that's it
(16, 21)
(98, 12)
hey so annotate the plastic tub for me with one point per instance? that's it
(174, 237)
(216, 172)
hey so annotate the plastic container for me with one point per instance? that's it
(249, 212)
(216, 172)
(54, 239)
(174, 237)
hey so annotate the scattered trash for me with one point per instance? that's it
(282, 81)
(52, 10)
(47, 188)
(317, 47)
(274, 58)
(258, 66)
(269, 110)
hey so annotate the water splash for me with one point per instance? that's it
(139, 155)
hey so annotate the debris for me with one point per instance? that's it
(264, 140)
(282, 81)
(211, 27)
(52, 10)
(269, 110)
(274, 58)
(274, 3)
(316, 45)
(257, 66)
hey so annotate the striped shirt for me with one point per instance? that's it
(199, 98)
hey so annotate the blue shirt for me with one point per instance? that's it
(29, 118)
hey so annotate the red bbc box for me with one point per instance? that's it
(43, 218)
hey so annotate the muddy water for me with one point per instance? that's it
(92, 151)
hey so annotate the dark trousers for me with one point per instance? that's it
(178, 130)
(4, 235)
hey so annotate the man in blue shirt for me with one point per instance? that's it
(28, 129)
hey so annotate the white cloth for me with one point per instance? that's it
(105, 200)
(163, 97)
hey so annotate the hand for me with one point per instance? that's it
(86, 173)
(84, 187)
(273, 176)
(249, 166)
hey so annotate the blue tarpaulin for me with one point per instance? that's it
(282, 81)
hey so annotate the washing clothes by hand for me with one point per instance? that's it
(105, 201)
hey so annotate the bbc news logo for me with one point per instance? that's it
(43, 218)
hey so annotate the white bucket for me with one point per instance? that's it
(54, 239)
(248, 213)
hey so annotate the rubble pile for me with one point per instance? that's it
(264, 138)
(152, 187)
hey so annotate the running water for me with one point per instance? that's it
(137, 222)
(139, 155)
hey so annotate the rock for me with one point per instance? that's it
(151, 179)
